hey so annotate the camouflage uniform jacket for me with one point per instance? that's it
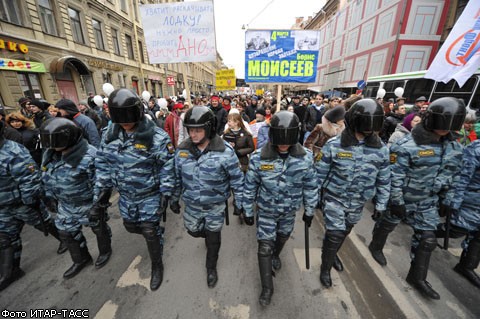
(279, 185)
(206, 177)
(19, 175)
(354, 172)
(423, 166)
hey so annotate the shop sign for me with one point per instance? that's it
(13, 46)
(18, 65)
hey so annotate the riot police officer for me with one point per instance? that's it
(136, 158)
(20, 192)
(424, 165)
(206, 168)
(68, 176)
(353, 167)
(281, 172)
(465, 209)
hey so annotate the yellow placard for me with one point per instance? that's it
(259, 92)
(225, 80)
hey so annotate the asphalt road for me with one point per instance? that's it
(121, 288)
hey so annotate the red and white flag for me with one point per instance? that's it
(459, 56)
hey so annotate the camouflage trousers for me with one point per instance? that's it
(197, 218)
(268, 224)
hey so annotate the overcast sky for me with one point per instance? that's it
(230, 15)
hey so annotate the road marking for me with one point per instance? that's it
(131, 276)
(108, 311)
(240, 311)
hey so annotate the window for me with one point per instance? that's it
(30, 84)
(116, 43)
(371, 6)
(377, 63)
(352, 41)
(384, 30)
(140, 48)
(366, 36)
(128, 40)
(9, 11)
(413, 61)
(348, 71)
(123, 5)
(360, 68)
(424, 18)
(97, 30)
(76, 25)
(47, 17)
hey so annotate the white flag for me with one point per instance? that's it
(459, 56)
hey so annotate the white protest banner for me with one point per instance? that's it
(459, 58)
(179, 32)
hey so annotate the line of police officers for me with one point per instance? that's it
(137, 159)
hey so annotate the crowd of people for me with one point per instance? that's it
(417, 165)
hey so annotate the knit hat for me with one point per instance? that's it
(335, 114)
(261, 111)
(40, 104)
(23, 100)
(178, 106)
(83, 102)
(407, 121)
(214, 98)
(67, 105)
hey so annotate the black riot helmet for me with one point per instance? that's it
(59, 132)
(445, 114)
(284, 128)
(365, 115)
(201, 117)
(125, 106)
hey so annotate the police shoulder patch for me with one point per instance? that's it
(318, 156)
(424, 153)
(170, 148)
(344, 155)
(393, 158)
(44, 169)
(183, 154)
(31, 167)
(267, 167)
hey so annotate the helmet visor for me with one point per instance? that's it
(54, 140)
(129, 114)
(368, 123)
(446, 122)
(284, 136)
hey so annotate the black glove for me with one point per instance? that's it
(377, 214)
(444, 210)
(249, 220)
(307, 219)
(398, 210)
(163, 204)
(50, 203)
(175, 207)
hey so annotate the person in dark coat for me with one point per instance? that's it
(219, 112)
(8, 132)
(391, 122)
(30, 134)
(39, 111)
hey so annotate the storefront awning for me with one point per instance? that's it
(18, 65)
(58, 65)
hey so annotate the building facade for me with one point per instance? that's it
(53, 49)
(367, 38)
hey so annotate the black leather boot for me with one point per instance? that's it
(279, 243)
(332, 242)
(379, 238)
(265, 250)
(153, 236)
(469, 262)
(104, 242)
(213, 242)
(6, 262)
(77, 246)
(417, 275)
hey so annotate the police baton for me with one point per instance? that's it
(307, 248)
(227, 219)
(447, 230)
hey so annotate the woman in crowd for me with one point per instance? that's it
(30, 134)
(403, 129)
